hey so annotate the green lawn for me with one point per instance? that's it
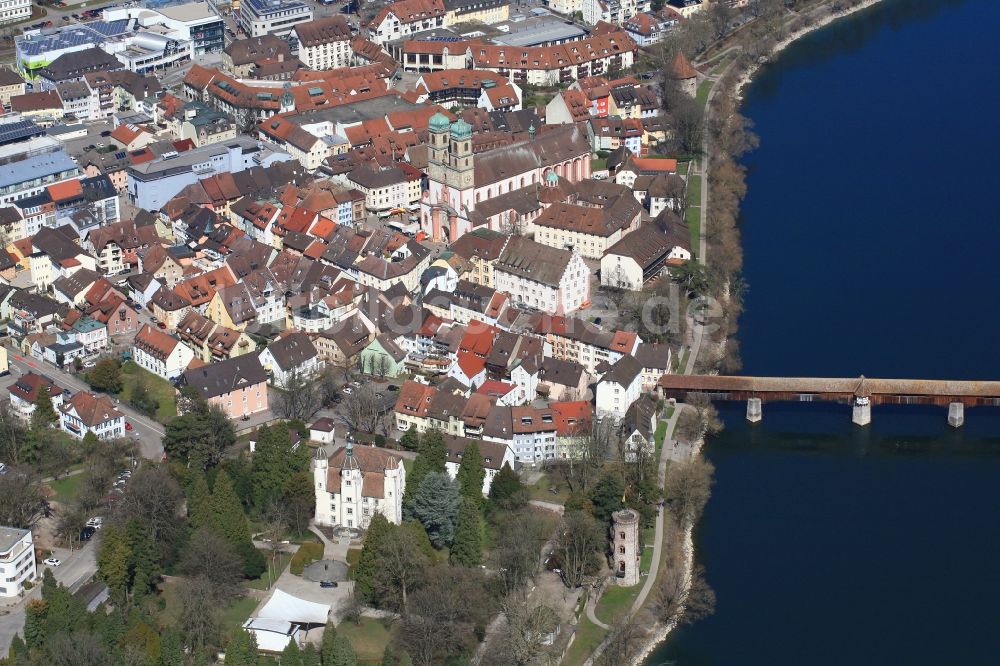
(67, 488)
(682, 168)
(694, 190)
(236, 614)
(661, 432)
(598, 164)
(368, 639)
(279, 565)
(158, 387)
(540, 490)
(680, 361)
(703, 89)
(693, 219)
(353, 555)
(588, 637)
(616, 602)
(646, 559)
(407, 465)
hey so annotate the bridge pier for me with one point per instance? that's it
(861, 412)
(754, 412)
(956, 414)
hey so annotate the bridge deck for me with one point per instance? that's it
(830, 386)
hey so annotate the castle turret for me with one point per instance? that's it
(625, 546)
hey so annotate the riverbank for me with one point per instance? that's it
(830, 17)
(661, 631)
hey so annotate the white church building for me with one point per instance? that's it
(354, 484)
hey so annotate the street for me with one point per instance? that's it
(146, 431)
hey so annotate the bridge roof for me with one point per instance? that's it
(841, 385)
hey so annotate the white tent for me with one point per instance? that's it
(277, 622)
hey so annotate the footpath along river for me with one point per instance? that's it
(870, 234)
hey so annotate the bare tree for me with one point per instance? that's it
(623, 643)
(522, 641)
(402, 567)
(298, 399)
(578, 544)
(154, 498)
(360, 410)
(594, 444)
(21, 500)
(688, 489)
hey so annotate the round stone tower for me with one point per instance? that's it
(625, 546)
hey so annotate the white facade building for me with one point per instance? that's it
(161, 354)
(17, 560)
(619, 388)
(355, 484)
(86, 412)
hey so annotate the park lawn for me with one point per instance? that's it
(279, 565)
(682, 167)
(616, 602)
(158, 387)
(67, 488)
(646, 559)
(693, 218)
(661, 432)
(703, 89)
(694, 191)
(588, 637)
(540, 490)
(598, 164)
(368, 639)
(353, 555)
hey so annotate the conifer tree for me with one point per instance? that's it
(471, 472)
(44, 414)
(113, 564)
(228, 518)
(291, 655)
(327, 645)
(367, 567)
(343, 653)
(431, 457)
(467, 549)
(310, 657)
(506, 489)
(199, 505)
(242, 649)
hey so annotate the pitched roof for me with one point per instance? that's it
(323, 31)
(527, 259)
(156, 343)
(292, 350)
(370, 461)
(681, 68)
(624, 371)
(217, 379)
(27, 385)
(492, 452)
(92, 409)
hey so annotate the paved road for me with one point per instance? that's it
(76, 569)
(145, 430)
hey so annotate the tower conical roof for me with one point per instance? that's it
(681, 68)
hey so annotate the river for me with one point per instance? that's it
(870, 235)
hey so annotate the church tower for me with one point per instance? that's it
(461, 172)
(437, 157)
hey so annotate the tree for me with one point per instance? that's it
(688, 488)
(410, 440)
(521, 641)
(21, 499)
(360, 410)
(299, 501)
(366, 569)
(113, 564)
(171, 648)
(624, 641)
(241, 650)
(579, 541)
(44, 414)
(342, 653)
(431, 457)
(506, 490)
(154, 498)
(467, 549)
(298, 398)
(291, 655)
(607, 496)
(436, 507)
(471, 473)
(105, 376)
(15, 442)
(142, 399)
(310, 657)
(274, 463)
(214, 562)
(518, 541)
(200, 435)
(402, 564)
(199, 619)
(199, 503)
(326, 646)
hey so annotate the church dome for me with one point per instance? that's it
(439, 122)
(461, 130)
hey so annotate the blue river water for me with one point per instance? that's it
(870, 236)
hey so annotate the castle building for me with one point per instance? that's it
(459, 179)
(625, 546)
(353, 485)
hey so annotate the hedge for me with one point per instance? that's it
(307, 553)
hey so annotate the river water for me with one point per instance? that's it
(870, 234)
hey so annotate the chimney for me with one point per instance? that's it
(281, 57)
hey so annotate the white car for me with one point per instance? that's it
(52, 562)
(96, 522)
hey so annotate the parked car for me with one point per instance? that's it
(328, 583)
(128, 426)
(3, 468)
(52, 562)
(86, 533)
(347, 390)
(96, 522)
(161, 325)
(392, 387)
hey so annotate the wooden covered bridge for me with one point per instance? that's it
(860, 392)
